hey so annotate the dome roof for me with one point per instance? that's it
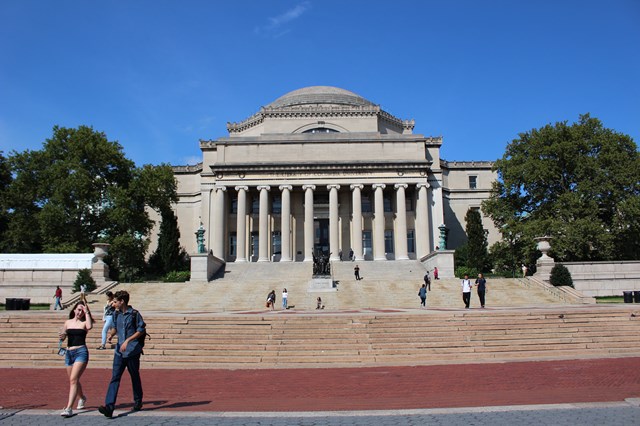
(319, 95)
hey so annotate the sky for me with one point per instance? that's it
(158, 76)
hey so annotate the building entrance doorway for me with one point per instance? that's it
(321, 237)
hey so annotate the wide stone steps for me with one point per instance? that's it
(354, 339)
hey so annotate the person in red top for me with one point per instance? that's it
(58, 297)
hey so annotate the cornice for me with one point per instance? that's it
(187, 169)
(271, 167)
(466, 164)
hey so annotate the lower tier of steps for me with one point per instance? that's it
(357, 338)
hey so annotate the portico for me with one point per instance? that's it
(319, 170)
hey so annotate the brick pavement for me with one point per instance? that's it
(320, 389)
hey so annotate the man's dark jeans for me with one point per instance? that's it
(119, 364)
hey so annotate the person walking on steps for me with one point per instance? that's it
(466, 291)
(423, 295)
(130, 328)
(58, 297)
(107, 317)
(285, 296)
(427, 281)
(356, 272)
(481, 285)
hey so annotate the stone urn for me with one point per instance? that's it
(100, 251)
(544, 245)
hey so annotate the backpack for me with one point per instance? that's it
(143, 338)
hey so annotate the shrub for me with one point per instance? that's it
(84, 277)
(560, 276)
(177, 277)
(461, 271)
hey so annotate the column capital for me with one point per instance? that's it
(400, 185)
(242, 188)
(221, 188)
(423, 185)
(263, 187)
(332, 186)
(378, 185)
(283, 187)
(311, 187)
(356, 185)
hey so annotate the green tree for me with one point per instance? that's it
(560, 276)
(84, 278)
(169, 256)
(476, 240)
(578, 183)
(5, 180)
(80, 189)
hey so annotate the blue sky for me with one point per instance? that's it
(159, 75)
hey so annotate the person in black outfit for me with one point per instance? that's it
(481, 285)
(356, 272)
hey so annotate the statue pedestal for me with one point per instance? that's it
(543, 268)
(321, 285)
(204, 266)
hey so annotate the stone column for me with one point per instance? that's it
(437, 211)
(217, 243)
(285, 238)
(378, 223)
(423, 245)
(356, 224)
(401, 223)
(205, 215)
(334, 234)
(308, 222)
(241, 224)
(263, 236)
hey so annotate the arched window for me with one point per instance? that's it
(321, 130)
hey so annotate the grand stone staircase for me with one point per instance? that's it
(392, 284)
(349, 338)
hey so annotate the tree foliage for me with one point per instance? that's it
(169, 256)
(80, 189)
(84, 277)
(473, 254)
(560, 276)
(578, 183)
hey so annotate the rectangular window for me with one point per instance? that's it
(232, 244)
(255, 244)
(366, 205)
(276, 204)
(473, 182)
(388, 204)
(388, 241)
(411, 240)
(255, 204)
(233, 205)
(367, 243)
(276, 247)
(409, 204)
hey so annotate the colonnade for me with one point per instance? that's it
(214, 202)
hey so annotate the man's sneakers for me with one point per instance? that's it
(66, 412)
(137, 406)
(106, 411)
(81, 403)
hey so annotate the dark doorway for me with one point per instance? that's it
(321, 233)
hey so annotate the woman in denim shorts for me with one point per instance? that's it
(77, 357)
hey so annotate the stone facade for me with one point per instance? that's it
(322, 169)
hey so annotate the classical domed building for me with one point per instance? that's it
(322, 169)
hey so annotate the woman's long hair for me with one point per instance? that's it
(72, 313)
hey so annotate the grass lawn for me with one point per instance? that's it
(610, 299)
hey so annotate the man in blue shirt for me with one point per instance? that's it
(130, 328)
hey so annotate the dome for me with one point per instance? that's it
(319, 95)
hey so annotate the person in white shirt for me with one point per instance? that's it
(466, 291)
(284, 298)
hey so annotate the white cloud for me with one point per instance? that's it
(274, 27)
